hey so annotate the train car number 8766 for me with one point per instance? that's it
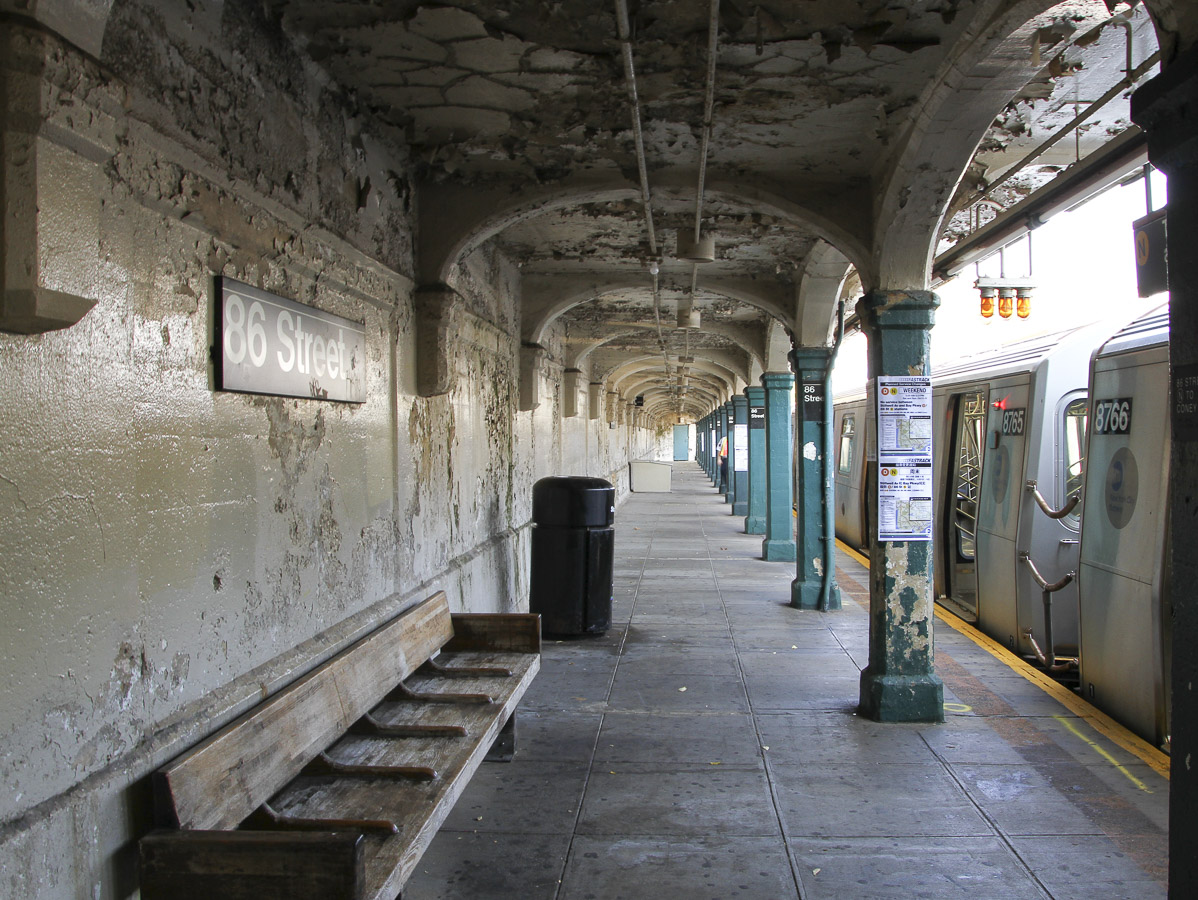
(1112, 416)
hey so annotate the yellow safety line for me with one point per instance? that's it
(1102, 752)
(1154, 758)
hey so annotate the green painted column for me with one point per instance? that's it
(755, 514)
(900, 683)
(727, 420)
(812, 486)
(738, 455)
(713, 456)
(779, 543)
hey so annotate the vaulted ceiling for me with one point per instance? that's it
(584, 140)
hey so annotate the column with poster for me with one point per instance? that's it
(904, 458)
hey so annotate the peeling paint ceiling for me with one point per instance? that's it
(822, 110)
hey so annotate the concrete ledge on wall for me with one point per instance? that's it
(38, 310)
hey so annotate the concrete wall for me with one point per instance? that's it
(171, 553)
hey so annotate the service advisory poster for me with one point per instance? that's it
(904, 458)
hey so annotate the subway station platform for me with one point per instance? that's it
(708, 747)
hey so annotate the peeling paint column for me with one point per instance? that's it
(755, 515)
(779, 543)
(738, 446)
(1166, 110)
(899, 684)
(810, 366)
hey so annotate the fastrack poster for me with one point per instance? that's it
(904, 458)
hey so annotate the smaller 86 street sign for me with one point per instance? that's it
(270, 345)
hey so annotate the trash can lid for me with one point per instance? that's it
(573, 501)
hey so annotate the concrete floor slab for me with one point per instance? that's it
(633, 868)
(886, 800)
(690, 800)
(901, 868)
(724, 739)
(466, 866)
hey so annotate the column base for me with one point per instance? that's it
(740, 508)
(755, 525)
(778, 551)
(902, 698)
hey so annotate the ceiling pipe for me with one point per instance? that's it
(713, 37)
(624, 31)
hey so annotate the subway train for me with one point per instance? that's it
(1023, 436)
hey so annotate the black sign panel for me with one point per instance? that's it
(757, 417)
(1013, 421)
(271, 345)
(1112, 416)
(811, 403)
(1185, 402)
(1152, 270)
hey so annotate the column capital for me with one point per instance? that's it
(739, 401)
(774, 381)
(755, 395)
(898, 309)
(811, 360)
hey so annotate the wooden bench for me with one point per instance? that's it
(333, 787)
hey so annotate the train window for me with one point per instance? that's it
(848, 434)
(968, 474)
(1077, 416)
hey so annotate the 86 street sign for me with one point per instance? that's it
(271, 345)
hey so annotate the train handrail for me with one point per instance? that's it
(1070, 504)
(1040, 580)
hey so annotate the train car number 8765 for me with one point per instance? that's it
(1012, 421)
(1112, 416)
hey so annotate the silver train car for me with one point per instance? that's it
(1125, 612)
(1011, 436)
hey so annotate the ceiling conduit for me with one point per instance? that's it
(624, 31)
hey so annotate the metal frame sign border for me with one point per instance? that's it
(267, 344)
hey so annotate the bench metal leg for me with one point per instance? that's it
(504, 747)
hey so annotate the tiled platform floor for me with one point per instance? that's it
(708, 747)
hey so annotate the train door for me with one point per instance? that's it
(959, 534)
(1124, 604)
(999, 502)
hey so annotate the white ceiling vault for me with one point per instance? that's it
(821, 137)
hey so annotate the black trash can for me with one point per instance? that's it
(573, 547)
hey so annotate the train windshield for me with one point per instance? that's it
(848, 430)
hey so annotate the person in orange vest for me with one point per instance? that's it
(724, 463)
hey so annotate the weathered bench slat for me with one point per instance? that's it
(418, 808)
(221, 781)
(253, 865)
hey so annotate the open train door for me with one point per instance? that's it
(959, 533)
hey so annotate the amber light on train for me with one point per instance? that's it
(988, 302)
(1023, 302)
(1006, 304)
